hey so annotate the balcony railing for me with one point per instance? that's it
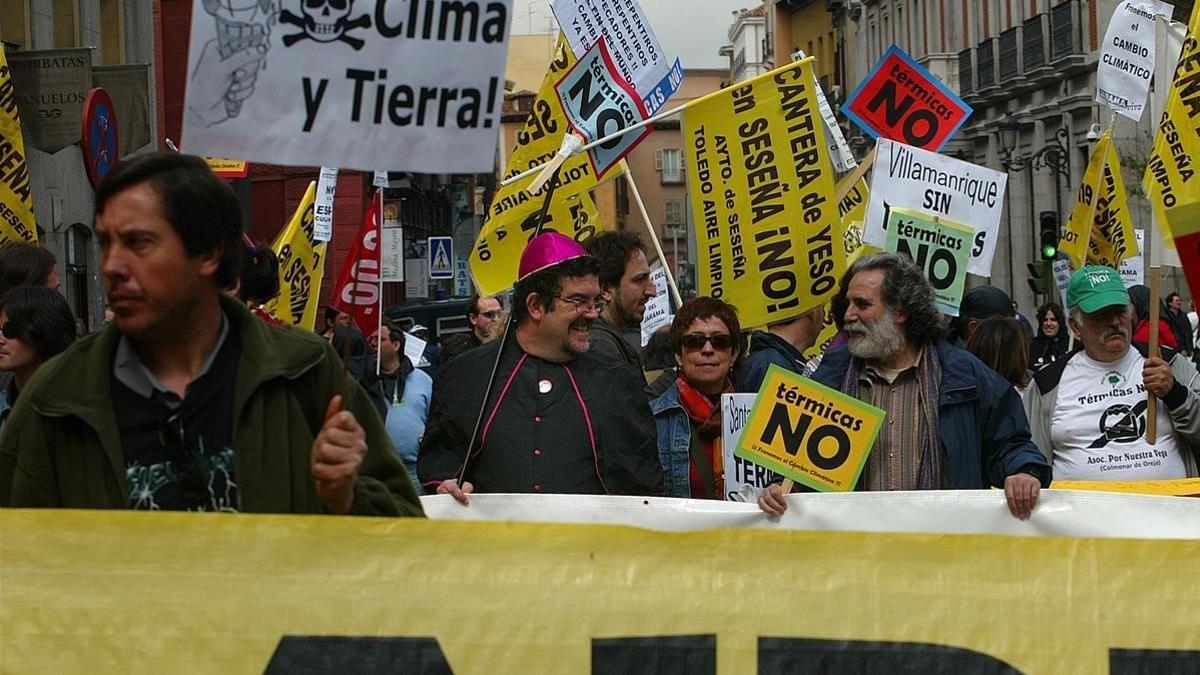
(985, 58)
(1010, 67)
(1034, 39)
(966, 72)
(1062, 30)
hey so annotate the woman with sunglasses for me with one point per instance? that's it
(705, 338)
(35, 324)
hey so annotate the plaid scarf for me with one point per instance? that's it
(930, 476)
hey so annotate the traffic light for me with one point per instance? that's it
(1049, 234)
(1038, 279)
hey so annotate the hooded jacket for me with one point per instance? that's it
(61, 447)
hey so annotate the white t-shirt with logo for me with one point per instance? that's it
(1099, 425)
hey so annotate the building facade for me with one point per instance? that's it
(750, 43)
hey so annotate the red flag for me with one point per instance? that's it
(357, 289)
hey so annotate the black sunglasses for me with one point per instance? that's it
(9, 331)
(695, 341)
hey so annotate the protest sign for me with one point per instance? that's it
(1133, 268)
(414, 349)
(323, 213)
(912, 178)
(939, 247)
(301, 268)
(839, 151)
(852, 209)
(413, 86)
(657, 97)
(391, 245)
(513, 209)
(658, 308)
(902, 101)
(1127, 57)
(1184, 223)
(228, 169)
(762, 190)
(1062, 278)
(16, 201)
(1100, 229)
(1171, 177)
(496, 254)
(740, 472)
(810, 433)
(636, 54)
(599, 104)
(357, 290)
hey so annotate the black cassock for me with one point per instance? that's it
(583, 427)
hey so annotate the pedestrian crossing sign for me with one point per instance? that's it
(441, 257)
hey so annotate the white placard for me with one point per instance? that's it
(414, 348)
(1127, 57)
(380, 179)
(416, 275)
(658, 308)
(839, 151)
(391, 254)
(323, 207)
(1062, 277)
(739, 473)
(938, 185)
(631, 41)
(413, 86)
(1133, 269)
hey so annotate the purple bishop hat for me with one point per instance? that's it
(547, 250)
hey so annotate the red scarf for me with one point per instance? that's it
(705, 416)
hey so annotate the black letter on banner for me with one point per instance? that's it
(910, 128)
(583, 90)
(801, 655)
(941, 281)
(780, 422)
(683, 654)
(332, 654)
(609, 115)
(814, 447)
(1146, 661)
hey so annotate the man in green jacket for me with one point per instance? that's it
(187, 401)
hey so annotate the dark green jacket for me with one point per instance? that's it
(60, 446)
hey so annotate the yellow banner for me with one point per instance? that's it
(768, 233)
(16, 202)
(1170, 177)
(301, 267)
(853, 210)
(1100, 225)
(810, 433)
(120, 592)
(1187, 487)
(494, 260)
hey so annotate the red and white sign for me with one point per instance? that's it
(357, 289)
(903, 102)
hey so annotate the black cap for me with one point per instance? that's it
(983, 302)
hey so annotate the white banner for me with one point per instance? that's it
(413, 86)
(1127, 57)
(938, 185)
(839, 151)
(323, 208)
(1133, 268)
(744, 480)
(391, 253)
(1059, 513)
(658, 308)
(380, 179)
(635, 50)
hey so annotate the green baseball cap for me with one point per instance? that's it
(1095, 287)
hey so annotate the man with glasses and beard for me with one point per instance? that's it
(1088, 409)
(952, 423)
(559, 419)
(481, 315)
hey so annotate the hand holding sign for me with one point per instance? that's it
(337, 453)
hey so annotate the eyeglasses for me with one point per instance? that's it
(585, 304)
(490, 316)
(695, 341)
(9, 331)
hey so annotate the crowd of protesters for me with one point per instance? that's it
(193, 397)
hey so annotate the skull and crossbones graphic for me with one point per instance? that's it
(325, 21)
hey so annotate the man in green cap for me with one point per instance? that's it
(1087, 411)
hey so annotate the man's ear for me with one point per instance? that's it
(533, 305)
(210, 260)
(900, 316)
(608, 292)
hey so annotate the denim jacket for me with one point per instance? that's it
(674, 442)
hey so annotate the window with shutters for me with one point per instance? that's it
(670, 164)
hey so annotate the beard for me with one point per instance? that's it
(876, 340)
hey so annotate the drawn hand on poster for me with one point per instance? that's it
(225, 74)
(325, 21)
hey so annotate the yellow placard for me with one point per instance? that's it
(228, 168)
(301, 267)
(852, 210)
(1100, 225)
(494, 258)
(1186, 487)
(810, 433)
(120, 592)
(1171, 171)
(767, 228)
(16, 201)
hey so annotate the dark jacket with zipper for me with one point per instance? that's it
(61, 448)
